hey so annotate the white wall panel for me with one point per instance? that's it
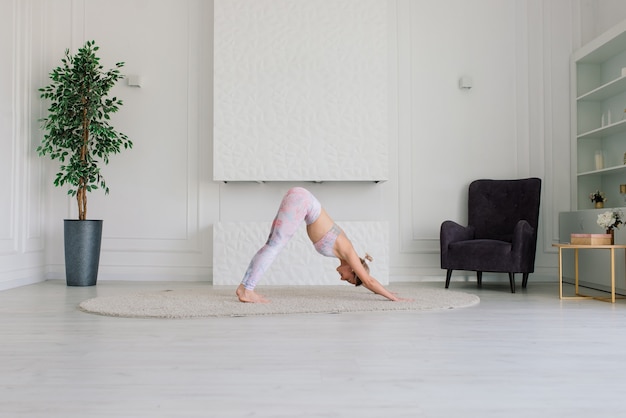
(550, 45)
(154, 116)
(450, 136)
(512, 123)
(471, 132)
(153, 226)
(8, 34)
(21, 240)
(300, 90)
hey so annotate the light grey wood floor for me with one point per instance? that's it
(513, 355)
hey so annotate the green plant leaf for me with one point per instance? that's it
(76, 128)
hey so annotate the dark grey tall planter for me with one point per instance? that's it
(82, 251)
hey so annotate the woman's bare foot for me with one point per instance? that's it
(249, 296)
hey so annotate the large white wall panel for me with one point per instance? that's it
(470, 132)
(301, 90)
(7, 114)
(21, 241)
(162, 133)
(449, 136)
(501, 128)
(153, 225)
(549, 42)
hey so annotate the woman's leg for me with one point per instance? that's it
(291, 214)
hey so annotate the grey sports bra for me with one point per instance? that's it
(326, 244)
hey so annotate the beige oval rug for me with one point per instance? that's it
(221, 301)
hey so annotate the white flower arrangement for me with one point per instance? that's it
(611, 219)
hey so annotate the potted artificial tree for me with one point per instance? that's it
(78, 134)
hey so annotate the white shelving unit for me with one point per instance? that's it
(599, 118)
(598, 89)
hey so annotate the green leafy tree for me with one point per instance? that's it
(78, 132)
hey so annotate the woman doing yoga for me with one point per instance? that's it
(300, 205)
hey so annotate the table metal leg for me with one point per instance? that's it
(560, 273)
(612, 275)
(576, 271)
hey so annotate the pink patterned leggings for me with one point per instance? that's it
(298, 205)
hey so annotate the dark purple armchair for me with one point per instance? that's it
(501, 235)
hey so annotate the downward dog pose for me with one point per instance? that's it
(329, 240)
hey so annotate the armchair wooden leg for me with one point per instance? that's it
(448, 275)
(512, 280)
(479, 278)
(525, 280)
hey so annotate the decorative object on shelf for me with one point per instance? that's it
(599, 159)
(622, 191)
(610, 221)
(598, 199)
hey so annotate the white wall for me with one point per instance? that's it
(597, 16)
(301, 90)
(22, 246)
(163, 203)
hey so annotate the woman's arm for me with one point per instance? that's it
(346, 252)
(368, 281)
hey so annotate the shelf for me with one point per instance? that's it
(605, 131)
(610, 170)
(605, 91)
(600, 90)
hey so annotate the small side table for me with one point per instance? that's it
(576, 248)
